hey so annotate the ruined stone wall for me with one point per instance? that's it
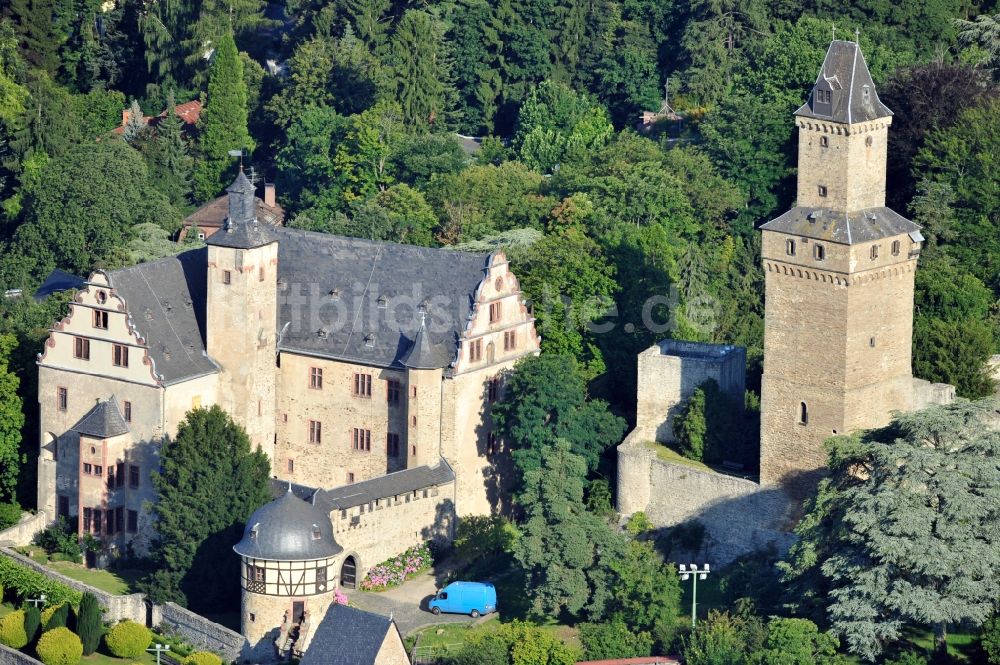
(10, 656)
(201, 633)
(670, 371)
(739, 515)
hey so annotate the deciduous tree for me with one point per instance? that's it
(11, 421)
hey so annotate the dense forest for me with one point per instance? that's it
(357, 109)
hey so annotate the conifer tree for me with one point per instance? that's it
(170, 163)
(32, 620)
(88, 623)
(135, 122)
(223, 122)
(421, 69)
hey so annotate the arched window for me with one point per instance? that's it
(803, 414)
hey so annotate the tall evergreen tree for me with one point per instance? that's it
(421, 69)
(223, 122)
(35, 22)
(211, 480)
(88, 623)
(11, 421)
(169, 160)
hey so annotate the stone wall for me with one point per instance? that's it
(739, 515)
(10, 656)
(200, 632)
(24, 531)
(116, 608)
(669, 371)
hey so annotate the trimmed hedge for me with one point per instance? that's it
(202, 658)
(27, 583)
(12, 630)
(55, 616)
(128, 639)
(59, 646)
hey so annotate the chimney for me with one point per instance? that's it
(125, 115)
(269, 194)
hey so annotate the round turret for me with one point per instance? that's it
(288, 555)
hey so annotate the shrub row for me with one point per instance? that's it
(27, 583)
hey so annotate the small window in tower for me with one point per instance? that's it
(102, 297)
(819, 252)
(382, 302)
(868, 141)
(260, 274)
(227, 277)
(824, 142)
(871, 342)
(822, 190)
(291, 466)
(350, 477)
(874, 252)
(895, 248)
(803, 414)
(790, 247)
(866, 94)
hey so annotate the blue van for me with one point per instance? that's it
(472, 598)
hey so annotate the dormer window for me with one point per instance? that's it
(866, 94)
(316, 535)
(253, 532)
(382, 302)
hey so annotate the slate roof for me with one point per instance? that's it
(391, 484)
(844, 68)
(358, 300)
(103, 421)
(166, 301)
(347, 636)
(242, 229)
(58, 280)
(424, 354)
(284, 530)
(213, 214)
(843, 228)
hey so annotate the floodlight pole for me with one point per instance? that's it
(694, 574)
(158, 649)
(37, 601)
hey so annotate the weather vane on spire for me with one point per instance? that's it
(237, 153)
(833, 31)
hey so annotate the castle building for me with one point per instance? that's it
(350, 363)
(839, 273)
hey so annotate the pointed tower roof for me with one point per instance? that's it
(241, 229)
(424, 353)
(844, 71)
(103, 421)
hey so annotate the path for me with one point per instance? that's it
(407, 603)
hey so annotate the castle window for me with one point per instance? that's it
(260, 274)
(803, 414)
(510, 340)
(316, 534)
(413, 421)
(120, 519)
(350, 477)
(315, 431)
(98, 515)
(133, 521)
(895, 248)
(316, 378)
(868, 141)
(227, 277)
(824, 141)
(98, 470)
(493, 389)
(866, 94)
(822, 190)
(62, 398)
(257, 572)
(790, 247)
(111, 477)
(819, 252)
(362, 385)
(127, 408)
(102, 297)
(362, 439)
(491, 443)
(88, 468)
(291, 466)
(119, 474)
(321, 578)
(63, 509)
(874, 252)
(392, 392)
(87, 514)
(133, 476)
(119, 355)
(392, 444)
(414, 392)
(110, 516)
(871, 342)
(495, 311)
(413, 450)
(100, 319)
(476, 351)
(81, 348)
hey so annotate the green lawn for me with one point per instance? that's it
(118, 583)
(669, 455)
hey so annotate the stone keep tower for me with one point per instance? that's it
(241, 314)
(288, 561)
(839, 271)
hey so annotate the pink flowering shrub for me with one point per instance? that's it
(398, 569)
(339, 597)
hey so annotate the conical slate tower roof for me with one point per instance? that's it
(424, 353)
(241, 229)
(103, 421)
(844, 74)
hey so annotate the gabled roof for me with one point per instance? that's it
(839, 227)
(365, 297)
(844, 68)
(391, 484)
(347, 636)
(188, 112)
(103, 421)
(166, 301)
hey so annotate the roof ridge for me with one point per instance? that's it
(850, 92)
